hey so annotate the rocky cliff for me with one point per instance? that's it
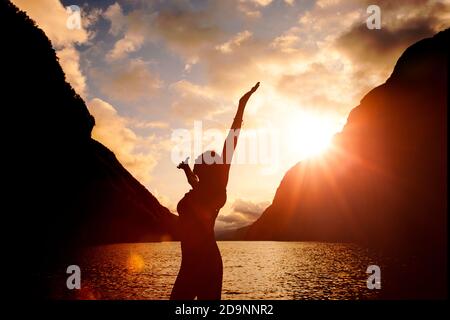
(384, 182)
(67, 189)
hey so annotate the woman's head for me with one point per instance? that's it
(206, 166)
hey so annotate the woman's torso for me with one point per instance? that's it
(198, 210)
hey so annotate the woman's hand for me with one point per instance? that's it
(247, 96)
(191, 177)
(184, 164)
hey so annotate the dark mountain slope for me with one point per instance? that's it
(66, 190)
(384, 184)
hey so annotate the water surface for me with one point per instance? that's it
(252, 270)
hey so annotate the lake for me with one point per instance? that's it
(252, 270)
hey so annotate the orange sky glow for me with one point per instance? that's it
(148, 69)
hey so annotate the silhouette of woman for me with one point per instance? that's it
(201, 270)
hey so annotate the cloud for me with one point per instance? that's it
(198, 35)
(128, 82)
(249, 208)
(194, 102)
(288, 41)
(403, 23)
(51, 17)
(262, 3)
(251, 8)
(151, 124)
(131, 28)
(69, 59)
(383, 47)
(236, 41)
(186, 30)
(232, 61)
(388, 5)
(116, 17)
(183, 29)
(136, 153)
(242, 213)
(129, 43)
(302, 88)
(246, 56)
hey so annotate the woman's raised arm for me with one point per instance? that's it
(231, 141)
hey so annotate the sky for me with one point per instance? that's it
(155, 73)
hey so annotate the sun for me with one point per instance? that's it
(310, 134)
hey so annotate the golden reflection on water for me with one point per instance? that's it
(252, 270)
(135, 262)
(87, 292)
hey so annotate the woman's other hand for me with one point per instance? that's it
(184, 164)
